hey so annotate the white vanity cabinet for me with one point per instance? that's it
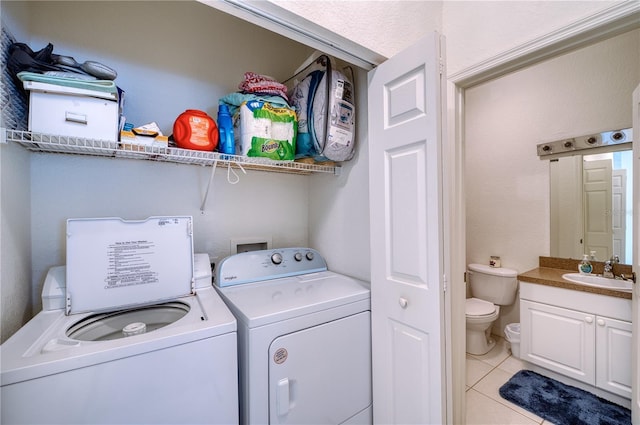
(613, 355)
(581, 335)
(559, 339)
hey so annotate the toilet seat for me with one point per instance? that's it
(479, 317)
(475, 307)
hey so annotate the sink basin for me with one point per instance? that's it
(598, 281)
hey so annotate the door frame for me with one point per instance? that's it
(610, 22)
(635, 261)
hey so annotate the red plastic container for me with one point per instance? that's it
(196, 130)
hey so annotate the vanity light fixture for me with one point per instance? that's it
(567, 146)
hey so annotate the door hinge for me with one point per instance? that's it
(441, 66)
(444, 283)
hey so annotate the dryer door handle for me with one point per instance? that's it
(282, 397)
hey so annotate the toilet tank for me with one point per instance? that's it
(497, 285)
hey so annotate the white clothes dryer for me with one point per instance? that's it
(131, 331)
(304, 338)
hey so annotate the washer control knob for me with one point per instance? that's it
(297, 256)
(309, 256)
(276, 258)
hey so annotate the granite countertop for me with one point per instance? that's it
(551, 270)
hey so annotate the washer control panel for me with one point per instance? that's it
(255, 266)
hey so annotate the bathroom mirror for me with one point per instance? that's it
(591, 205)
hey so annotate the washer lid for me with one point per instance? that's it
(478, 307)
(114, 263)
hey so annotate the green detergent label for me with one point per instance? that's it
(270, 131)
(273, 149)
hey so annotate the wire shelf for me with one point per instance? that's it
(39, 142)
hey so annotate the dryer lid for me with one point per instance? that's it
(478, 307)
(114, 263)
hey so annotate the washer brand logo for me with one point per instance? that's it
(230, 277)
(280, 356)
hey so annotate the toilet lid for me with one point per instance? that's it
(478, 307)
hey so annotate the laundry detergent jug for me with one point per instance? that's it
(196, 130)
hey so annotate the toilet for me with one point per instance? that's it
(490, 287)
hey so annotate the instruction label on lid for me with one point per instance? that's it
(129, 264)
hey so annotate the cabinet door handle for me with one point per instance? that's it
(600, 322)
(403, 302)
(588, 319)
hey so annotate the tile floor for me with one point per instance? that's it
(485, 375)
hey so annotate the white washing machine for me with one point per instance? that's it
(304, 338)
(131, 331)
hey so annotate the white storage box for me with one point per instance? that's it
(70, 111)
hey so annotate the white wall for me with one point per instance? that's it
(186, 55)
(170, 56)
(386, 27)
(339, 206)
(507, 186)
(261, 204)
(479, 30)
(475, 30)
(15, 222)
(15, 240)
(187, 45)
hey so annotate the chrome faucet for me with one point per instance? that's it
(608, 267)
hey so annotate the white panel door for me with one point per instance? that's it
(407, 284)
(635, 400)
(619, 212)
(598, 231)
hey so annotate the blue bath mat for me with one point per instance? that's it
(561, 404)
